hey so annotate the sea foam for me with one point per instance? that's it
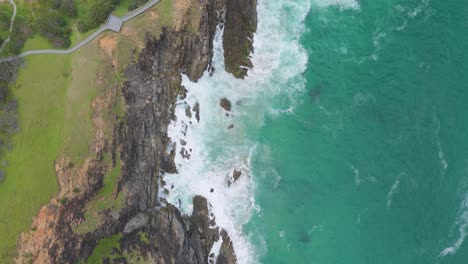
(224, 141)
(342, 4)
(462, 224)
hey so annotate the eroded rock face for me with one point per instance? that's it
(240, 26)
(226, 253)
(235, 176)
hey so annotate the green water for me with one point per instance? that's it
(385, 106)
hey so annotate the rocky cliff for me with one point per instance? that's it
(150, 230)
(240, 26)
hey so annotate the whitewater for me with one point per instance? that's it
(221, 141)
(332, 132)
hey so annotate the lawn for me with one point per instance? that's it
(30, 181)
(37, 42)
(54, 94)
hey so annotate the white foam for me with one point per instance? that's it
(342, 4)
(393, 190)
(462, 224)
(357, 179)
(215, 150)
(440, 151)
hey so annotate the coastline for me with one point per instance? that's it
(138, 141)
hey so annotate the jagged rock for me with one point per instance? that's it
(188, 113)
(225, 104)
(196, 109)
(226, 252)
(235, 176)
(241, 23)
(136, 222)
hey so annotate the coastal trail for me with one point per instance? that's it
(113, 23)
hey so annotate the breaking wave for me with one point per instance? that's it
(208, 152)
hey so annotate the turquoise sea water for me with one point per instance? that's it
(372, 165)
(350, 132)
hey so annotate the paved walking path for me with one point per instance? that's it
(12, 21)
(113, 23)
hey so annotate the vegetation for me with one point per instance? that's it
(57, 21)
(6, 11)
(144, 237)
(135, 3)
(105, 199)
(30, 178)
(21, 31)
(54, 94)
(8, 105)
(105, 249)
(97, 13)
(52, 20)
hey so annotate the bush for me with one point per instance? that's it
(64, 200)
(136, 3)
(8, 118)
(98, 12)
(54, 26)
(18, 36)
(67, 7)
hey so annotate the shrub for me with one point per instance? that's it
(64, 200)
(54, 26)
(67, 7)
(98, 12)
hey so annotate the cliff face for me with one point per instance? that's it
(240, 26)
(149, 227)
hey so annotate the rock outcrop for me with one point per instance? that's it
(149, 228)
(225, 104)
(240, 26)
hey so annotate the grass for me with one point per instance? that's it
(195, 17)
(148, 22)
(30, 180)
(122, 9)
(144, 237)
(76, 36)
(37, 42)
(105, 199)
(105, 249)
(6, 11)
(54, 93)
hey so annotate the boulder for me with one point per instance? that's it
(225, 104)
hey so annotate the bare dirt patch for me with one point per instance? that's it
(182, 13)
(108, 43)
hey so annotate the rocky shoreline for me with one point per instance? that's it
(141, 142)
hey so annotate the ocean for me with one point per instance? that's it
(350, 133)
